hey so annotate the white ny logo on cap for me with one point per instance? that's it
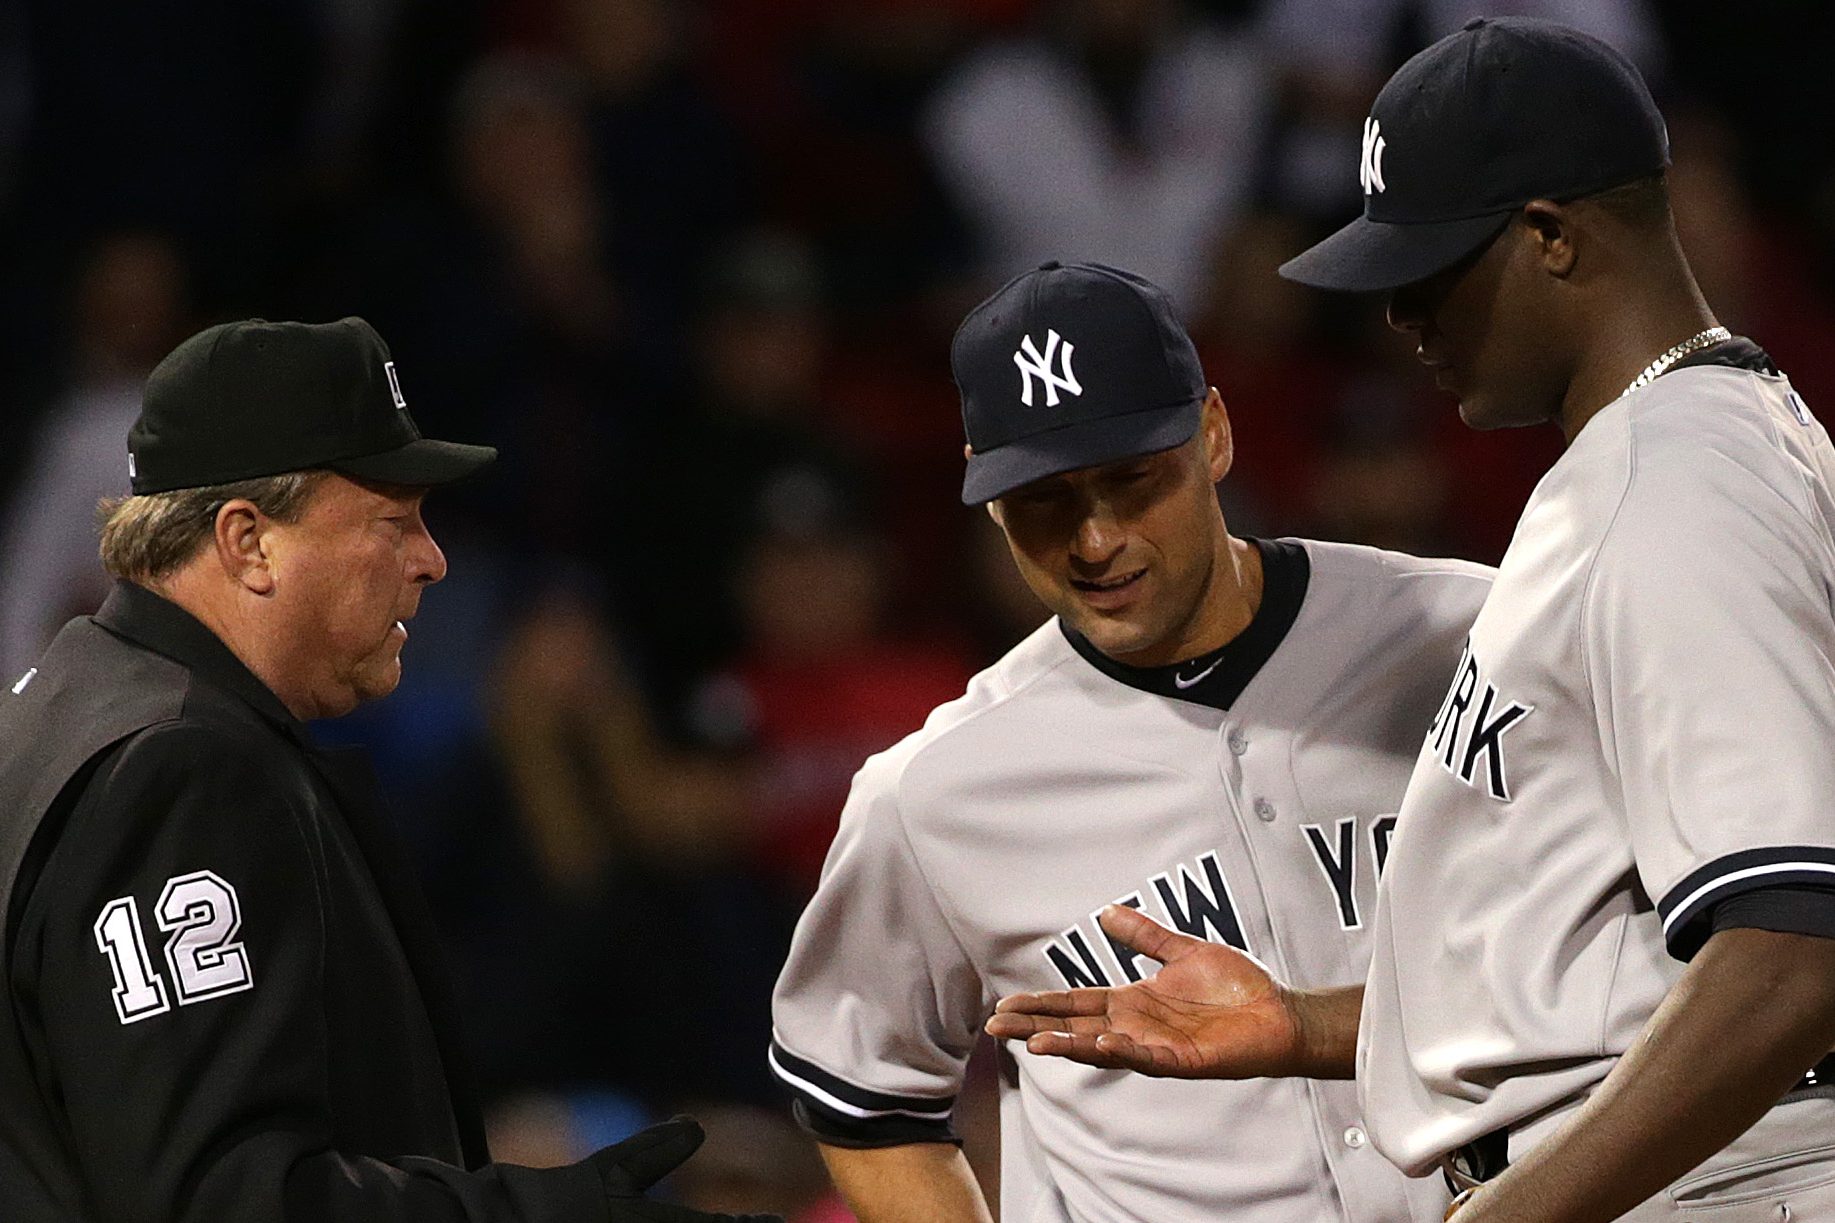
(1370, 168)
(1032, 365)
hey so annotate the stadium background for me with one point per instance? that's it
(694, 267)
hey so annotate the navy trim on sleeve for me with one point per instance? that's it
(1786, 909)
(847, 1114)
(839, 1131)
(1691, 900)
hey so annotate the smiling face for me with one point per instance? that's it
(345, 576)
(1127, 553)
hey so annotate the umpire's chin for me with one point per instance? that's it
(368, 676)
(379, 673)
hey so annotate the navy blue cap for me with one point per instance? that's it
(254, 398)
(1504, 111)
(1069, 366)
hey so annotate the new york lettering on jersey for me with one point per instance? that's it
(1468, 732)
(1195, 898)
(1256, 799)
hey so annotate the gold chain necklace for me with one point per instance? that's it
(1695, 343)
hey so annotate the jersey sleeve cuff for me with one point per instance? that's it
(1687, 907)
(845, 1114)
(1786, 909)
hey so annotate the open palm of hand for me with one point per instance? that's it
(1210, 1012)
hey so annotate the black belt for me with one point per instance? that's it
(1485, 1157)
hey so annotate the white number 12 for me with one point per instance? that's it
(202, 915)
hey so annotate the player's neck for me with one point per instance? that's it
(1229, 604)
(1625, 339)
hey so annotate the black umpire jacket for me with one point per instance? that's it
(221, 986)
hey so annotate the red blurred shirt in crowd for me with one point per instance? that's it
(814, 722)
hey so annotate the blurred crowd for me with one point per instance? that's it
(694, 268)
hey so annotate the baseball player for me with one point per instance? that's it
(1603, 983)
(1213, 730)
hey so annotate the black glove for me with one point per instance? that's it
(629, 1168)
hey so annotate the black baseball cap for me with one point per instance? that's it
(1068, 366)
(254, 398)
(1504, 111)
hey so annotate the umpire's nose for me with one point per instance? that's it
(426, 561)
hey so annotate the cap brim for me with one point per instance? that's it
(993, 473)
(1370, 256)
(420, 463)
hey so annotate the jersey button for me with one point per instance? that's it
(1354, 1138)
(1264, 811)
(1238, 744)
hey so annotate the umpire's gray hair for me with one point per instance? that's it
(145, 538)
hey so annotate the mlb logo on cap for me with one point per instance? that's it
(1071, 366)
(401, 404)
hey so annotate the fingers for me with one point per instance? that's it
(1143, 934)
(1063, 1002)
(1078, 1048)
(1018, 1025)
(649, 1155)
(1107, 1051)
(1017, 1016)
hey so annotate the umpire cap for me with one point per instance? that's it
(1504, 111)
(254, 398)
(1068, 366)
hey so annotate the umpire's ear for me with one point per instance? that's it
(1219, 442)
(240, 540)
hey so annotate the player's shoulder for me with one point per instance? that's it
(1686, 406)
(1371, 580)
(1664, 428)
(1007, 688)
(1355, 563)
(1708, 441)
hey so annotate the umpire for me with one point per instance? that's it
(222, 994)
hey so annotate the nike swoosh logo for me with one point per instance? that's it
(1182, 683)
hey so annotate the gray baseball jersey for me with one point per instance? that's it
(1641, 728)
(1242, 798)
